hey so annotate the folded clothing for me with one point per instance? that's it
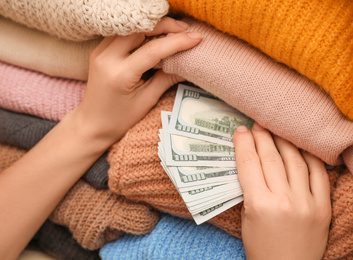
(280, 99)
(176, 238)
(25, 131)
(311, 36)
(276, 97)
(58, 242)
(39, 51)
(136, 173)
(37, 94)
(98, 216)
(82, 20)
(93, 216)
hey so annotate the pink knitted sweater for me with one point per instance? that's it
(277, 97)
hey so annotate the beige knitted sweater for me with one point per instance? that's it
(83, 20)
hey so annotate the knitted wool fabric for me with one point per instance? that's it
(340, 240)
(58, 242)
(8, 155)
(94, 216)
(25, 131)
(135, 172)
(32, 49)
(98, 216)
(34, 93)
(312, 36)
(82, 20)
(278, 98)
(175, 238)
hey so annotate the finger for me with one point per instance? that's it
(271, 161)
(248, 164)
(154, 88)
(121, 46)
(152, 52)
(319, 181)
(102, 45)
(295, 165)
(168, 25)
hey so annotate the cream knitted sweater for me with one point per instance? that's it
(82, 20)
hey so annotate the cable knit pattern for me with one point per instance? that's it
(312, 36)
(82, 20)
(42, 52)
(98, 216)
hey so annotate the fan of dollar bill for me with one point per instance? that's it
(197, 151)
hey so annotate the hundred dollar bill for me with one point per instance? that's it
(199, 115)
(191, 176)
(183, 151)
(209, 213)
(211, 192)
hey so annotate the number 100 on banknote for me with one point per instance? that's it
(200, 115)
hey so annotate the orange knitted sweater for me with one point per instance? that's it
(312, 36)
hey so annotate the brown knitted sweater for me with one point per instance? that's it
(135, 172)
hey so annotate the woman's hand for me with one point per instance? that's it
(287, 209)
(116, 97)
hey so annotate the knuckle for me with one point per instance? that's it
(271, 157)
(152, 48)
(256, 207)
(285, 206)
(247, 157)
(299, 162)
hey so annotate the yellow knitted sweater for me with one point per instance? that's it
(315, 37)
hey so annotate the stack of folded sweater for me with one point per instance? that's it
(302, 91)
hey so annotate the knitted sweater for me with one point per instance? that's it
(280, 99)
(57, 241)
(175, 238)
(93, 216)
(136, 173)
(312, 36)
(25, 131)
(36, 50)
(83, 20)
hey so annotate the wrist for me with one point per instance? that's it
(90, 133)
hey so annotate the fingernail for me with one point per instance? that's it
(182, 24)
(257, 127)
(195, 35)
(242, 129)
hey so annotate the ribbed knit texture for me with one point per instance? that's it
(280, 99)
(94, 216)
(312, 36)
(25, 131)
(98, 216)
(58, 242)
(83, 20)
(34, 93)
(175, 238)
(42, 52)
(136, 174)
